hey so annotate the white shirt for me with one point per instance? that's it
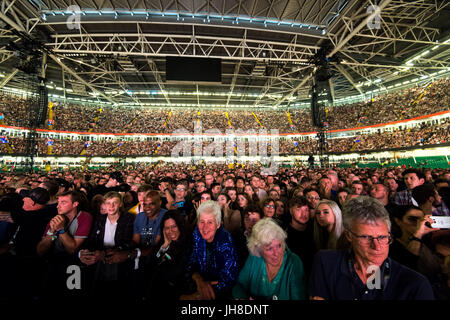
(110, 232)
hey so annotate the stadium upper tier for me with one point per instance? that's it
(426, 134)
(401, 105)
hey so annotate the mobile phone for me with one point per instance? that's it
(442, 222)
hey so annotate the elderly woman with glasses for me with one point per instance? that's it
(365, 272)
(213, 262)
(271, 271)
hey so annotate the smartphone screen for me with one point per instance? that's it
(440, 222)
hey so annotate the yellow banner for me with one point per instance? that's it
(168, 117)
(290, 119)
(228, 119)
(50, 115)
(421, 95)
(49, 149)
(10, 150)
(100, 110)
(257, 120)
(88, 160)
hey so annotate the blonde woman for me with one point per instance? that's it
(327, 225)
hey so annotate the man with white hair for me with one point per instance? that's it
(365, 272)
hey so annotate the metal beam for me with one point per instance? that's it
(349, 78)
(291, 93)
(158, 79)
(8, 78)
(355, 31)
(233, 82)
(331, 83)
(76, 76)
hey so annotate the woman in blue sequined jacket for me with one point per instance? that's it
(213, 262)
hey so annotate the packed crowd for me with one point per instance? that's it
(419, 136)
(384, 108)
(169, 232)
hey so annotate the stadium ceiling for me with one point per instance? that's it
(116, 49)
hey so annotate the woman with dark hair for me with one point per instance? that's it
(444, 208)
(268, 208)
(98, 207)
(130, 199)
(437, 266)
(409, 227)
(165, 269)
(243, 200)
(231, 218)
(248, 189)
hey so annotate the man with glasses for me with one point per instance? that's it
(365, 272)
(312, 198)
(200, 186)
(181, 201)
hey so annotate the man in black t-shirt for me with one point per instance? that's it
(300, 232)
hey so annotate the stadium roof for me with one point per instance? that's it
(116, 50)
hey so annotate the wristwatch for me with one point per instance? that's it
(131, 255)
(413, 238)
(51, 234)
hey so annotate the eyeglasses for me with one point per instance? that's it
(269, 206)
(180, 189)
(313, 198)
(367, 240)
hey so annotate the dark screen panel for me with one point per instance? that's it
(193, 69)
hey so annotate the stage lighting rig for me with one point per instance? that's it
(28, 51)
